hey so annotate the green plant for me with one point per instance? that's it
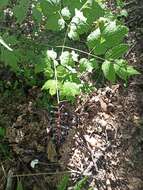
(4, 44)
(61, 68)
(4, 149)
(63, 183)
(19, 185)
(80, 185)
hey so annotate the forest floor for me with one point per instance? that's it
(101, 136)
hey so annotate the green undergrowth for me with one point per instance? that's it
(64, 47)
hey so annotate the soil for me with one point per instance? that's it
(101, 137)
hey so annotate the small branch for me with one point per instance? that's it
(40, 174)
(81, 51)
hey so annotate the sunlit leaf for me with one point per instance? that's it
(108, 70)
(117, 51)
(51, 86)
(70, 89)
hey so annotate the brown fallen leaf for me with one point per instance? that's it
(108, 184)
(93, 141)
(103, 105)
(51, 151)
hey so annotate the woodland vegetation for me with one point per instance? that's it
(70, 77)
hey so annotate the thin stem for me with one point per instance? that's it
(66, 34)
(56, 79)
(81, 51)
(46, 173)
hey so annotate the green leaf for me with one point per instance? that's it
(40, 67)
(73, 33)
(51, 85)
(120, 67)
(3, 3)
(10, 58)
(66, 59)
(124, 13)
(62, 72)
(108, 70)
(81, 184)
(78, 25)
(106, 37)
(51, 54)
(61, 23)
(66, 13)
(117, 51)
(70, 89)
(37, 15)
(131, 71)
(94, 37)
(96, 42)
(53, 22)
(114, 33)
(19, 185)
(50, 7)
(93, 10)
(45, 67)
(123, 70)
(48, 72)
(2, 132)
(63, 183)
(10, 39)
(20, 10)
(4, 44)
(19, 13)
(4, 149)
(73, 4)
(88, 65)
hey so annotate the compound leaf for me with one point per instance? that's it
(109, 71)
(117, 51)
(70, 89)
(66, 58)
(123, 70)
(87, 65)
(50, 85)
(78, 25)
